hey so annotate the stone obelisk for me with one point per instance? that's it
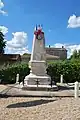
(37, 63)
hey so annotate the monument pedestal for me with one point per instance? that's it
(37, 74)
(38, 80)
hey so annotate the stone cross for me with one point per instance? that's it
(37, 82)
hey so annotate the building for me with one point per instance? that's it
(58, 53)
(9, 58)
(51, 54)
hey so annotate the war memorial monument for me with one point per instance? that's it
(38, 78)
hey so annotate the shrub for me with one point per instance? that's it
(8, 74)
(69, 68)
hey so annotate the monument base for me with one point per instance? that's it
(38, 79)
(38, 83)
(40, 88)
(33, 79)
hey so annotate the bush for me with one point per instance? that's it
(8, 74)
(69, 68)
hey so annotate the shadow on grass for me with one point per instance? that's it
(29, 104)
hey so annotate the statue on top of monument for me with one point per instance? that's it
(38, 32)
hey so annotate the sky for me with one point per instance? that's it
(60, 20)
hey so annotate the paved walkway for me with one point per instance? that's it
(15, 90)
(3, 87)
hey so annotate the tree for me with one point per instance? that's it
(75, 55)
(2, 43)
(79, 54)
(26, 54)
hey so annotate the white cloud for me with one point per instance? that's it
(1, 8)
(4, 29)
(59, 45)
(3, 12)
(74, 21)
(70, 48)
(18, 44)
(1, 4)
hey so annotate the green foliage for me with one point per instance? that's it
(69, 68)
(75, 55)
(2, 43)
(26, 54)
(8, 74)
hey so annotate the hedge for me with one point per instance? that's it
(8, 74)
(70, 70)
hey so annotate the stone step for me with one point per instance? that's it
(40, 88)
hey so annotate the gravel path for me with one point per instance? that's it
(36, 108)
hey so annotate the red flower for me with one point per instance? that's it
(39, 32)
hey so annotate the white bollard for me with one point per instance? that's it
(17, 78)
(61, 79)
(76, 92)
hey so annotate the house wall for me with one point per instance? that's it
(60, 52)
